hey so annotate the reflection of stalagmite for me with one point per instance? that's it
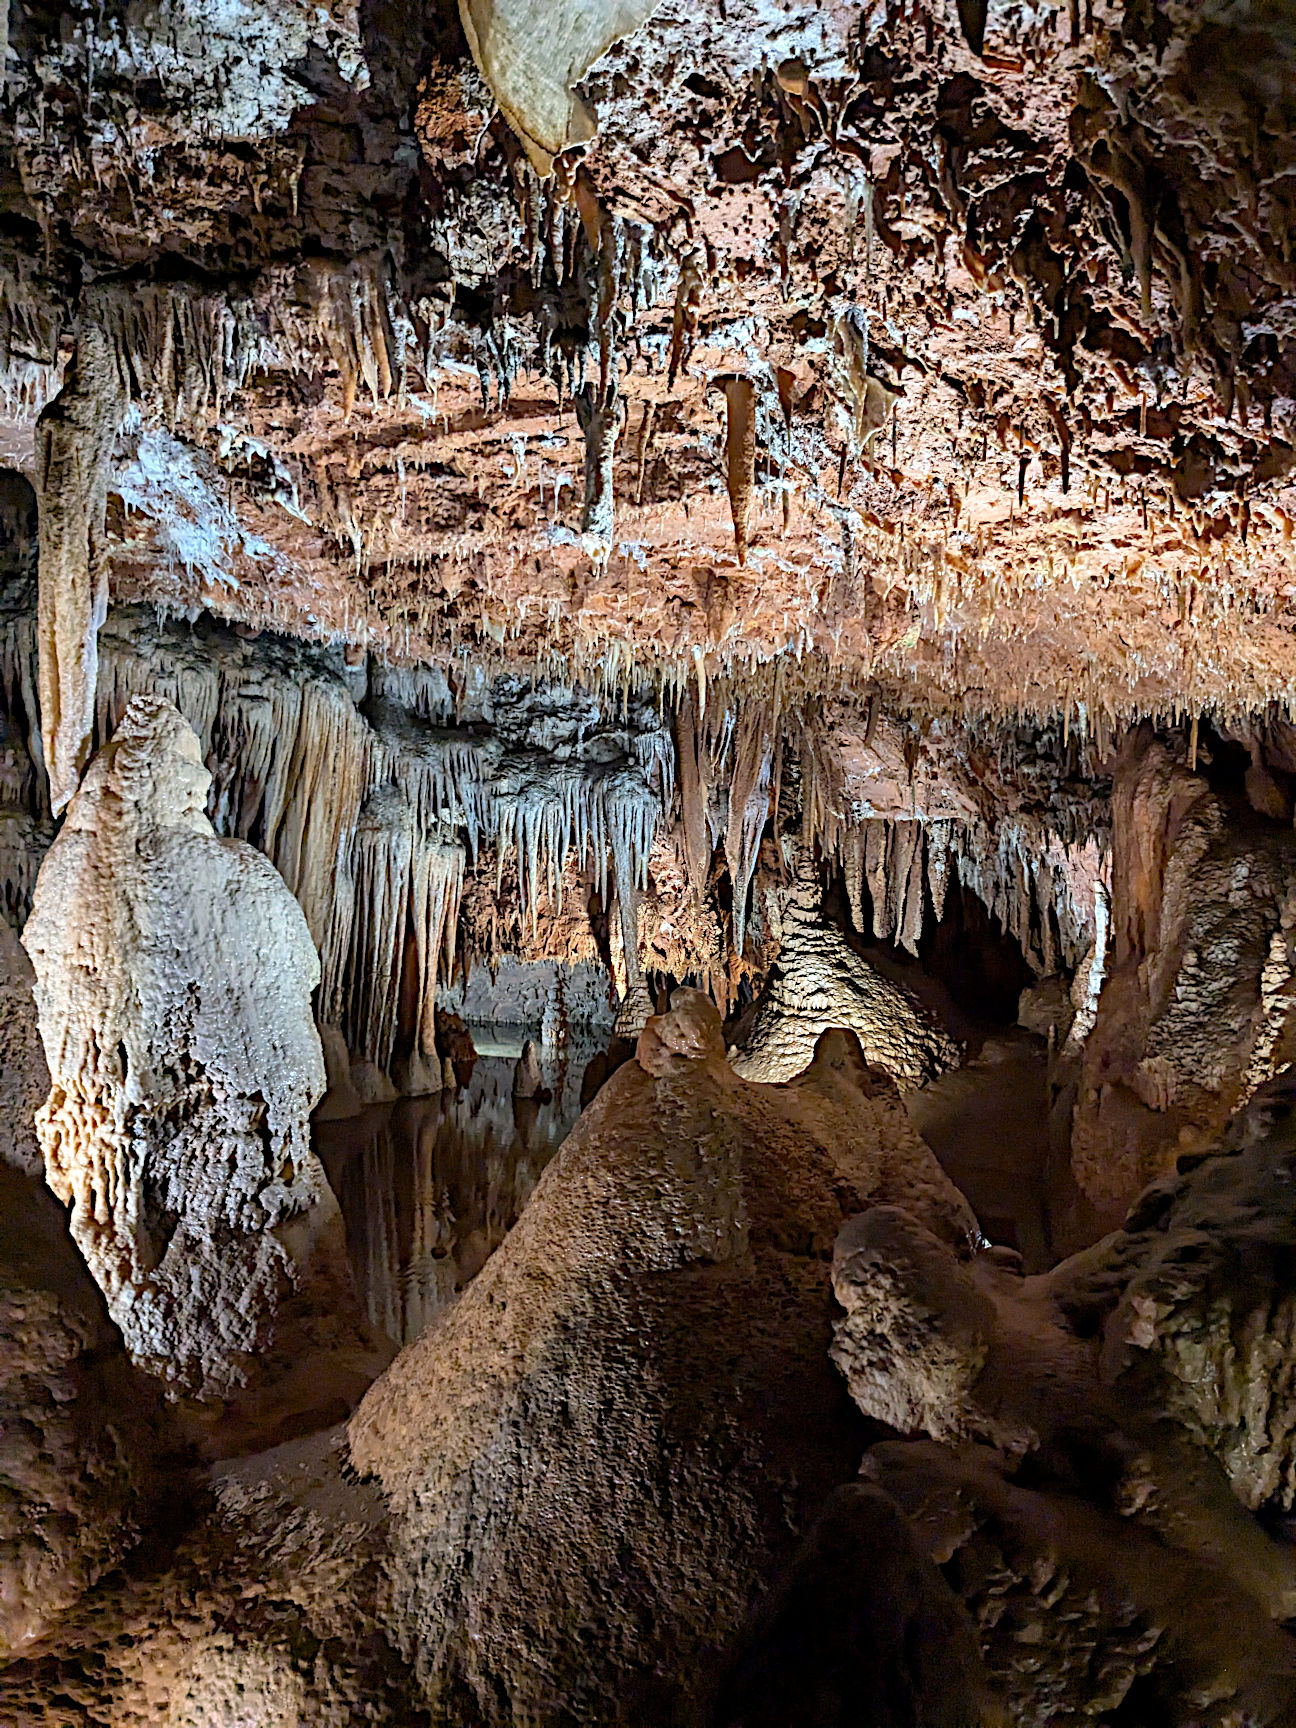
(74, 443)
(820, 982)
(173, 978)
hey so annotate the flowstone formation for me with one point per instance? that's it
(1196, 1011)
(733, 565)
(820, 982)
(1098, 1437)
(173, 980)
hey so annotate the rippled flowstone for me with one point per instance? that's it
(173, 979)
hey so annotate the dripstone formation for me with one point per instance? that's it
(647, 870)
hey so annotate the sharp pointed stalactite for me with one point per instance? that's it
(740, 458)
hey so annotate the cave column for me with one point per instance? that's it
(74, 441)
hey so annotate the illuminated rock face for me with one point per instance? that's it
(820, 982)
(599, 1452)
(173, 978)
(1196, 1011)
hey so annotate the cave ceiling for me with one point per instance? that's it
(901, 348)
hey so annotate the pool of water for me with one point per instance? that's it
(429, 1187)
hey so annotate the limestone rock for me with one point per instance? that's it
(173, 979)
(1195, 1012)
(819, 982)
(863, 1629)
(597, 1455)
(78, 1471)
(24, 1077)
(1195, 1304)
(1127, 1410)
(533, 56)
(76, 436)
(1081, 1613)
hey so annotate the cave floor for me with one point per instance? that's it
(987, 1122)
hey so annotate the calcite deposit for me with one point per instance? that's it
(173, 979)
(720, 568)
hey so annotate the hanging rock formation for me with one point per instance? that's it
(173, 980)
(75, 438)
(818, 982)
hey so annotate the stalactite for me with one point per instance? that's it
(749, 803)
(294, 760)
(73, 451)
(684, 319)
(694, 797)
(599, 414)
(740, 457)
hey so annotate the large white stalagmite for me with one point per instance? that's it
(174, 973)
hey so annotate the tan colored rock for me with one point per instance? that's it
(1108, 1428)
(173, 978)
(533, 55)
(1196, 1007)
(75, 438)
(596, 1456)
(24, 1077)
(819, 982)
(81, 1432)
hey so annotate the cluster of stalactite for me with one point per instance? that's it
(1040, 886)
(384, 795)
(373, 811)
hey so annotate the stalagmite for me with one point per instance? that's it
(75, 440)
(173, 981)
(820, 982)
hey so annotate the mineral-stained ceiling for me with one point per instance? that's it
(843, 355)
(775, 511)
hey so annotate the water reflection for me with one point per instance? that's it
(430, 1186)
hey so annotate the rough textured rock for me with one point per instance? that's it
(818, 982)
(24, 1076)
(75, 435)
(173, 981)
(1018, 349)
(82, 1436)
(600, 1451)
(260, 1609)
(1194, 1300)
(862, 1629)
(1200, 984)
(1109, 1427)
